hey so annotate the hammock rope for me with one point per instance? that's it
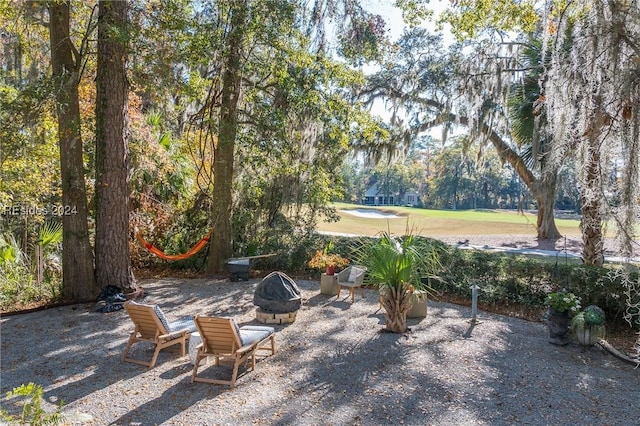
(162, 255)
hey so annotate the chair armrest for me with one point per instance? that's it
(247, 348)
(174, 334)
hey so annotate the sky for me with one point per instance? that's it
(393, 16)
(395, 26)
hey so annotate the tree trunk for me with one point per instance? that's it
(591, 222)
(78, 281)
(220, 249)
(113, 263)
(396, 303)
(544, 191)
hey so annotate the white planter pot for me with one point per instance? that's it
(589, 335)
(418, 305)
(328, 284)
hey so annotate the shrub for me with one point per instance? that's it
(512, 279)
(32, 411)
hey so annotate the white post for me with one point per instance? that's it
(474, 304)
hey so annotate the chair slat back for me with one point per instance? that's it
(147, 322)
(218, 335)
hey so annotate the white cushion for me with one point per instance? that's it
(355, 273)
(250, 334)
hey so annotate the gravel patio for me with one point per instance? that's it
(333, 366)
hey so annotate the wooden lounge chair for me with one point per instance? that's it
(223, 339)
(352, 277)
(152, 326)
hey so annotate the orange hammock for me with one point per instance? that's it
(154, 250)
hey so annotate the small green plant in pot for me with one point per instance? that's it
(588, 325)
(397, 265)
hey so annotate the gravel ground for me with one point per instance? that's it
(333, 366)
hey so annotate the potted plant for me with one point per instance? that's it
(397, 266)
(588, 325)
(561, 307)
(327, 261)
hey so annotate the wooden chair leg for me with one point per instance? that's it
(236, 364)
(184, 346)
(155, 356)
(195, 366)
(126, 348)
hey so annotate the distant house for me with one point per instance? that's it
(374, 197)
(411, 198)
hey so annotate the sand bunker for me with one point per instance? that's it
(371, 214)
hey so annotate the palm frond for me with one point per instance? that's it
(50, 233)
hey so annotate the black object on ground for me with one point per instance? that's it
(110, 299)
(238, 269)
(277, 293)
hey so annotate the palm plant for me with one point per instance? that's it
(49, 236)
(399, 266)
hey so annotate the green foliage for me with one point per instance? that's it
(8, 250)
(508, 280)
(18, 287)
(462, 177)
(50, 234)
(395, 262)
(28, 154)
(561, 301)
(364, 40)
(468, 18)
(32, 411)
(414, 11)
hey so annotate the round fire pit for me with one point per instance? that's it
(272, 318)
(278, 299)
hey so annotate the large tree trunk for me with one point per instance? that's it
(221, 249)
(592, 218)
(113, 263)
(78, 281)
(544, 191)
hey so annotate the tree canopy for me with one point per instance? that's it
(251, 116)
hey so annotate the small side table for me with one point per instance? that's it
(328, 284)
(194, 341)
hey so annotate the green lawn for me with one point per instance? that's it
(442, 222)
